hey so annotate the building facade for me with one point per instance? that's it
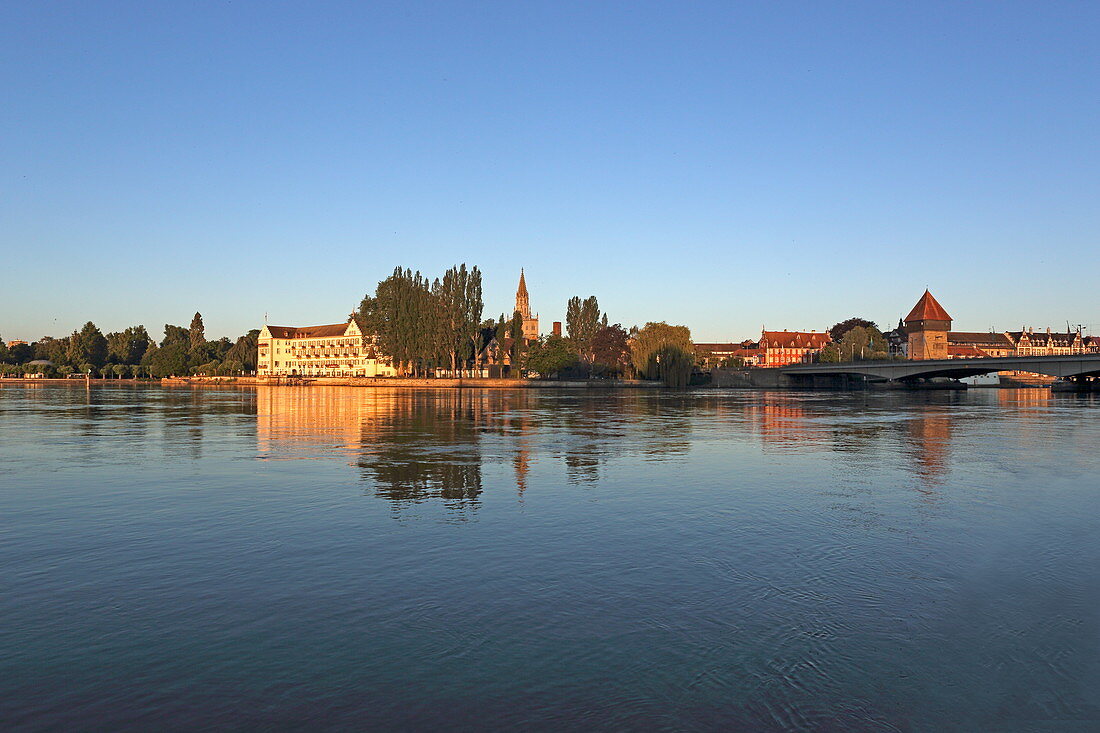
(336, 350)
(926, 327)
(974, 345)
(780, 348)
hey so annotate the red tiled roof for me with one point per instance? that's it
(927, 309)
(965, 351)
(795, 339)
(308, 332)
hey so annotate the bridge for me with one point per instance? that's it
(1069, 366)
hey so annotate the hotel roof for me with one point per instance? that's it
(308, 332)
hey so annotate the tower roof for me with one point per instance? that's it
(927, 309)
(522, 289)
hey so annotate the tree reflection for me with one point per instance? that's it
(424, 447)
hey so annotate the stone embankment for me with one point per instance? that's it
(411, 383)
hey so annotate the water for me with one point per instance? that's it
(355, 558)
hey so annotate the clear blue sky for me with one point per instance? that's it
(722, 165)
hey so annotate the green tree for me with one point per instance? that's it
(515, 332)
(244, 351)
(829, 355)
(88, 346)
(647, 345)
(838, 330)
(582, 321)
(127, 347)
(121, 370)
(461, 306)
(169, 360)
(175, 335)
(863, 343)
(674, 365)
(549, 355)
(4, 356)
(196, 335)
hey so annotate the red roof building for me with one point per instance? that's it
(927, 326)
(780, 348)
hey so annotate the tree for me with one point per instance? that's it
(582, 321)
(611, 350)
(121, 370)
(197, 333)
(461, 305)
(829, 355)
(88, 346)
(399, 316)
(549, 355)
(647, 344)
(837, 331)
(674, 365)
(244, 351)
(127, 347)
(169, 360)
(51, 349)
(515, 331)
(862, 343)
(175, 335)
(3, 351)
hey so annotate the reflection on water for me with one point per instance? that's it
(413, 447)
(385, 559)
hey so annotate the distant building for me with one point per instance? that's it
(1030, 343)
(336, 350)
(780, 348)
(972, 345)
(713, 355)
(16, 342)
(926, 327)
(523, 307)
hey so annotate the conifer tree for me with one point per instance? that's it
(197, 333)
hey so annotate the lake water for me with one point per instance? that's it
(356, 558)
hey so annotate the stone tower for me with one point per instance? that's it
(523, 307)
(927, 326)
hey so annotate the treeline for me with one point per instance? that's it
(133, 353)
(855, 339)
(425, 324)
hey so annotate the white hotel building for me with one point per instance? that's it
(337, 350)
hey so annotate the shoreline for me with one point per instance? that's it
(368, 382)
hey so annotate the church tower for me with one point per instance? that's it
(523, 307)
(927, 326)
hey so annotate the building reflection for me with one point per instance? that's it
(412, 447)
(927, 445)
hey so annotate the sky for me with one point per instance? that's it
(725, 165)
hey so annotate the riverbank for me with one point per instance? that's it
(382, 382)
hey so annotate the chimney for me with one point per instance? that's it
(557, 328)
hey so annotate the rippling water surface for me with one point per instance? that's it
(353, 558)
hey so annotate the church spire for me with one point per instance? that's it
(523, 301)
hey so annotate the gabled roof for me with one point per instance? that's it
(1044, 337)
(965, 351)
(927, 309)
(976, 337)
(795, 339)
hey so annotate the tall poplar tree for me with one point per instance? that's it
(582, 321)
